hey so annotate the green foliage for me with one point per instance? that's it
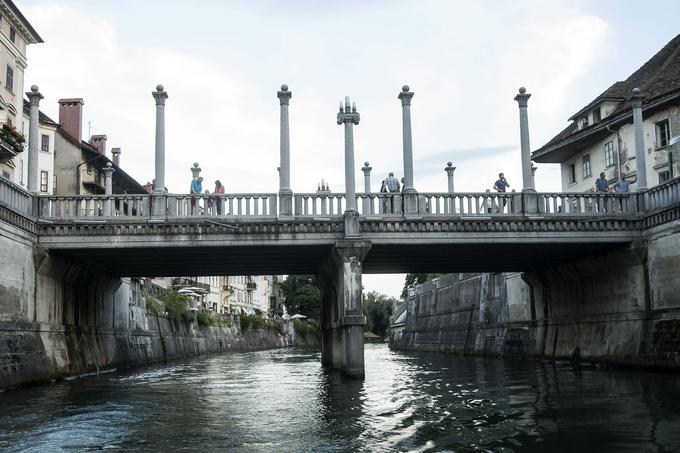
(204, 318)
(153, 306)
(413, 280)
(188, 316)
(305, 327)
(254, 322)
(377, 309)
(301, 296)
(176, 305)
(221, 322)
(275, 326)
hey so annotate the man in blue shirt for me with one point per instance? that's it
(623, 185)
(602, 187)
(195, 189)
(500, 185)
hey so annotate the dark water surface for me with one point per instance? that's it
(283, 401)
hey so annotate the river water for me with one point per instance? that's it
(284, 401)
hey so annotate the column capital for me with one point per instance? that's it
(34, 96)
(405, 96)
(108, 169)
(348, 114)
(284, 95)
(636, 98)
(366, 169)
(522, 97)
(195, 171)
(160, 95)
(449, 168)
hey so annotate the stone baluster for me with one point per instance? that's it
(285, 192)
(640, 154)
(108, 188)
(34, 98)
(160, 195)
(349, 117)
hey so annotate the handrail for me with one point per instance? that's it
(16, 198)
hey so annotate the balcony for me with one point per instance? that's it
(11, 143)
(251, 286)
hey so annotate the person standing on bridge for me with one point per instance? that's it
(623, 184)
(602, 187)
(501, 185)
(219, 189)
(195, 190)
(392, 185)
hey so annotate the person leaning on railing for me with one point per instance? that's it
(219, 189)
(623, 186)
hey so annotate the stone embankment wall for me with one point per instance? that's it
(59, 318)
(620, 306)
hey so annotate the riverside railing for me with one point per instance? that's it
(332, 205)
(15, 197)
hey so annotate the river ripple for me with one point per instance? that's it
(283, 401)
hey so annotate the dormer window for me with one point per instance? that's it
(596, 115)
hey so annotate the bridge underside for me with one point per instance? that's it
(270, 259)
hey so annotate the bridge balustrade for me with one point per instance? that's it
(93, 207)
(15, 197)
(663, 195)
(222, 205)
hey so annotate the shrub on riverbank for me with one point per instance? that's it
(306, 327)
(254, 322)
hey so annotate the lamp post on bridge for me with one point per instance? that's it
(34, 98)
(285, 192)
(640, 164)
(159, 193)
(349, 117)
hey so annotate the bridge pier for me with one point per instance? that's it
(342, 319)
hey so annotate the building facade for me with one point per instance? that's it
(601, 136)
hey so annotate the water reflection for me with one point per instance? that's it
(284, 401)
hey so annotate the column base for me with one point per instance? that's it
(159, 206)
(352, 224)
(285, 203)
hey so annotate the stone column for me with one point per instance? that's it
(349, 117)
(367, 187)
(34, 98)
(159, 199)
(285, 192)
(640, 154)
(522, 99)
(108, 188)
(409, 193)
(160, 95)
(449, 173)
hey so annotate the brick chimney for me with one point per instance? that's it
(99, 142)
(71, 116)
(115, 156)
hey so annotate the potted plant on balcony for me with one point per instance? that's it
(12, 137)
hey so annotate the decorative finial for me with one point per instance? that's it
(159, 88)
(366, 164)
(284, 87)
(340, 106)
(522, 90)
(34, 88)
(347, 103)
(108, 164)
(405, 88)
(195, 164)
(449, 164)
(354, 107)
(636, 92)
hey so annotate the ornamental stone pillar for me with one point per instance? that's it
(640, 155)
(409, 193)
(349, 117)
(195, 171)
(367, 187)
(449, 174)
(285, 192)
(34, 98)
(108, 187)
(159, 199)
(522, 99)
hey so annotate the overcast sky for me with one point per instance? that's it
(222, 63)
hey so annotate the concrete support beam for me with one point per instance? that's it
(640, 155)
(522, 99)
(285, 192)
(34, 98)
(342, 319)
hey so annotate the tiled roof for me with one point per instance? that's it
(657, 78)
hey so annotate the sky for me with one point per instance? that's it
(222, 63)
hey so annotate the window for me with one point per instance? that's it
(609, 154)
(12, 35)
(89, 168)
(9, 80)
(597, 116)
(5, 174)
(45, 143)
(54, 184)
(663, 134)
(44, 178)
(586, 166)
(571, 173)
(664, 176)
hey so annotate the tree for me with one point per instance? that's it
(377, 310)
(413, 280)
(301, 295)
